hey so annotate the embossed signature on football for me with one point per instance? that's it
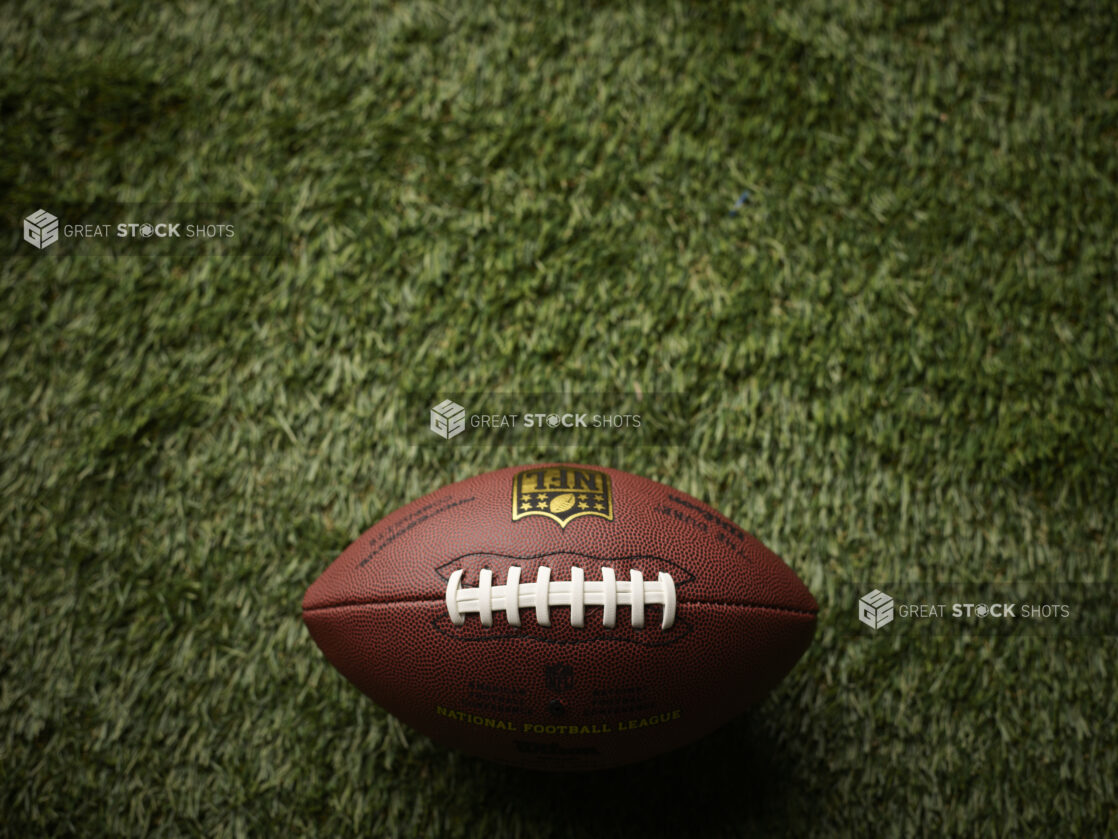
(560, 617)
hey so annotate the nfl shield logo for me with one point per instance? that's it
(562, 494)
(559, 677)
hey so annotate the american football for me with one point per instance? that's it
(560, 617)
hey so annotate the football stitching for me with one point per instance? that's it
(576, 593)
(681, 575)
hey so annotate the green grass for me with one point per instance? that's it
(900, 354)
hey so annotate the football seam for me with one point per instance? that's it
(441, 601)
(687, 576)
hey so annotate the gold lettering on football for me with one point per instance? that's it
(562, 493)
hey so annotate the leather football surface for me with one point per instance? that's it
(560, 617)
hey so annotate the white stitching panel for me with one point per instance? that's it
(609, 600)
(667, 586)
(456, 617)
(542, 595)
(636, 597)
(577, 593)
(485, 596)
(578, 589)
(512, 604)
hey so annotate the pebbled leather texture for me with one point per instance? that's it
(560, 697)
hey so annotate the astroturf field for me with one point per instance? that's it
(897, 354)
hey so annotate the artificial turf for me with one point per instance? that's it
(898, 352)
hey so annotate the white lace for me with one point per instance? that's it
(578, 593)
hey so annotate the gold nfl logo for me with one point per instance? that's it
(562, 494)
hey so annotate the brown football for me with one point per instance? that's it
(560, 616)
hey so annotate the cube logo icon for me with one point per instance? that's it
(875, 609)
(40, 229)
(448, 419)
